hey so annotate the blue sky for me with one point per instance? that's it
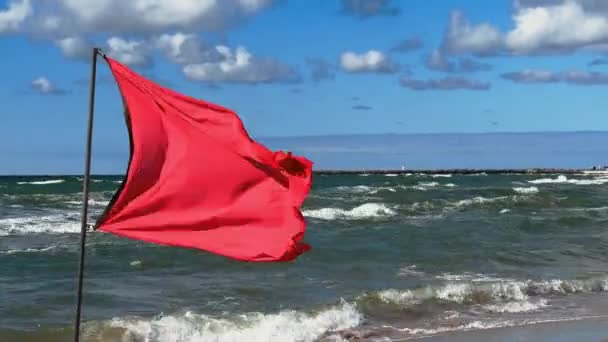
(313, 68)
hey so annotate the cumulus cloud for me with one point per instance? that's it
(43, 86)
(582, 78)
(372, 61)
(463, 37)
(183, 48)
(13, 17)
(320, 69)
(130, 52)
(554, 28)
(447, 83)
(116, 17)
(539, 27)
(407, 45)
(75, 47)
(438, 62)
(240, 66)
(369, 8)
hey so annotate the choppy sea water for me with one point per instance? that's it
(394, 257)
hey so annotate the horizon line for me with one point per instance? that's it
(425, 133)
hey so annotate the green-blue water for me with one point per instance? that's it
(393, 256)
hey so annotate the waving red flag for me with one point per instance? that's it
(196, 179)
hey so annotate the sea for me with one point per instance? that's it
(394, 257)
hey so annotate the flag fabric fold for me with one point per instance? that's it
(196, 179)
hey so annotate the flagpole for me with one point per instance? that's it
(85, 192)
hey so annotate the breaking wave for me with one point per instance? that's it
(51, 224)
(46, 182)
(92, 202)
(528, 190)
(28, 250)
(480, 200)
(561, 179)
(492, 294)
(285, 326)
(367, 210)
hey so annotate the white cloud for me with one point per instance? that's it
(45, 87)
(130, 52)
(372, 61)
(140, 16)
(463, 37)
(184, 48)
(12, 18)
(581, 78)
(539, 27)
(240, 66)
(565, 26)
(74, 47)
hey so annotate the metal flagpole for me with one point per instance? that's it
(85, 193)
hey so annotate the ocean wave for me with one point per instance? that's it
(46, 182)
(92, 202)
(526, 190)
(285, 326)
(494, 294)
(480, 200)
(410, 271)
(361, 189)
(561, 179)
(447, 175)
(367, 210)
(51, 224)
(28, 250)
(517, 307)
(391, 175)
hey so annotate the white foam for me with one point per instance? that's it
(479, 200)
(391, 175)
(410, 271)
(462, 288)
(285, 326)
(504, 211)
(442, 175)
(28, 250)
(450, 185)
(135, 263)
(561, 179)
(367, 210)
(524, 190)
(517, 307)
(52, 224)
(398, 296)
(91, 202)
(51, 181)
(428, 184)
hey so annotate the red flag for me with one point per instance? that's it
(196, 179)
